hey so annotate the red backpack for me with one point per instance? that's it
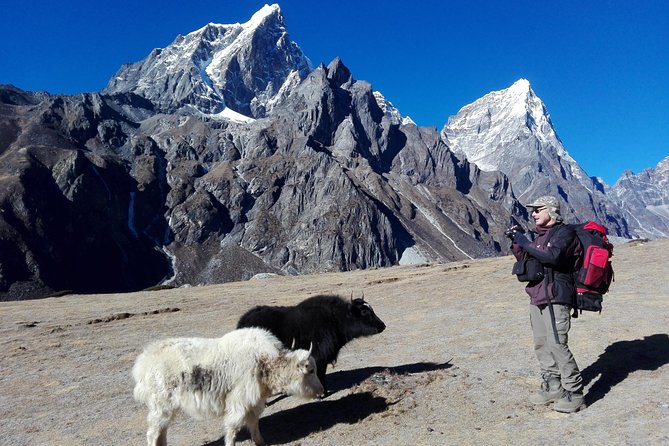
(593, 274)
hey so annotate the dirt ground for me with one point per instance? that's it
(455, 365)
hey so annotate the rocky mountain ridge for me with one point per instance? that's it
(511, 131)
(207, 175)
(325, 183)
(645, 199)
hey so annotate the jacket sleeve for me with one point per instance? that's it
(553, 255)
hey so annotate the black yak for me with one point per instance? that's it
(327, 321)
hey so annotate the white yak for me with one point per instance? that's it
(229, 377)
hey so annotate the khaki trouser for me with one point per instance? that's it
(556, 360)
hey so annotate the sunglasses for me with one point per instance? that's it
(537, 210)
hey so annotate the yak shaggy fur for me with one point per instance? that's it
(231, 376)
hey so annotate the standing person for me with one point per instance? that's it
(552, 255)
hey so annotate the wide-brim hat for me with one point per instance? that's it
(549, 202)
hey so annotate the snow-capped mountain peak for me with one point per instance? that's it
(256, 20)
(476, 130)
(198, 69)
(511, 131)
(487, 128)
(262, 14)
(517, 104)
(520, 94)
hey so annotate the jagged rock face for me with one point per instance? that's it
(64, 208)
(645, 198)
(245, 67)
(511, 131)
(409, 174)
(147, 184)
(96, 201)
(320, 186)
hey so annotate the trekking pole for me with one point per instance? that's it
(550, 307)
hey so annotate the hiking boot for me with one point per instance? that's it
(570, 402)
(551, 391)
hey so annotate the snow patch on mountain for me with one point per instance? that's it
(232, 115)
(412, 256)
(389, 110)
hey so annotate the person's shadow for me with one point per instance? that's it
(622, 358)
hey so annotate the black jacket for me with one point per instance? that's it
(557, 248)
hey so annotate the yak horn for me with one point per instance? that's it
(292, 346)
(311, 347)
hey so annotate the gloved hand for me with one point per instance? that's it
(513, 230)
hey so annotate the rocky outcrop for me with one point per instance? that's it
(64, 202)
(645, 199)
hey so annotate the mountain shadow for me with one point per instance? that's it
(622, 358)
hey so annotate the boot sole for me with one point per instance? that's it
(579, 408)
(544, 403)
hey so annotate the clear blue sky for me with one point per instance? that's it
(600, 66)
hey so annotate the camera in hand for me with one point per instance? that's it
(511, 232)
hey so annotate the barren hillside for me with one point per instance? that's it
(455, 365)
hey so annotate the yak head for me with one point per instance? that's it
(300, 370)
(362, 319)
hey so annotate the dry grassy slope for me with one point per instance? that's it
(455, 365)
